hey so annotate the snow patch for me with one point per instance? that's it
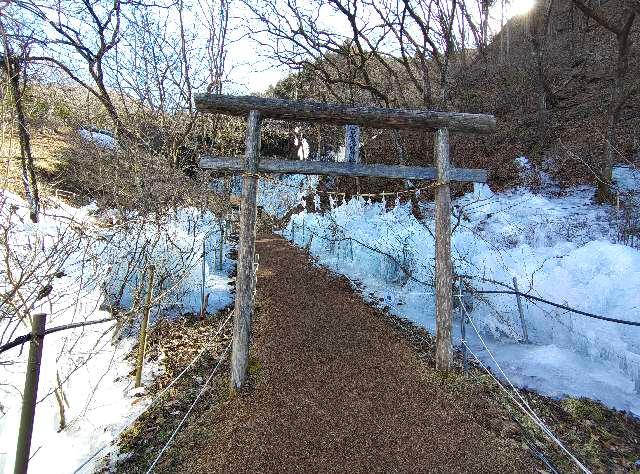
(99, 138)
(92, 260)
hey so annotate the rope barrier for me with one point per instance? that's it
(157, 397)
(560, 306)
(524, 406)
(184, 419)
(18, 341)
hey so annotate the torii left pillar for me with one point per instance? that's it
(245, 279)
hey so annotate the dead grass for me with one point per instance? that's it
(50, 150)
(176, 343)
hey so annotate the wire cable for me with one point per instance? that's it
(184, 419)
(156, 398)
(524, 406)
(18, 341)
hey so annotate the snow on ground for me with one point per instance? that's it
(92, 261)
(627, 178)
(562, 248)
(101, 139)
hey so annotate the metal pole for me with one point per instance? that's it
(30, 394)
(142, 340)
(293, 232)
(463, 332)
(520, 311)
(221, 250)
(204, 261)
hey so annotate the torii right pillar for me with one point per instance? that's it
(444, 266)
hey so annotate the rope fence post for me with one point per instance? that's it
(221, 248)
(204, 262)
(142, 340)
(521, 312)
(30, 395)
(463, 335)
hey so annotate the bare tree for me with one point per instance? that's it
(13, 64)
(538, 31)
(618, 23)
(390, 53)
(73, 33)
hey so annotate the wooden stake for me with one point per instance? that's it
(246, 253)
(30, 394)
(520, 311)
(142, 340)
(444, 321)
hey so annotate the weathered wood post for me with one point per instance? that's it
(142, 340)
(30, 394)
(444, 272)
(246, 254)
(525, 336)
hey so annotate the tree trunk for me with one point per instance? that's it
(26, 158)
(616, 102)
(541, 99)
(603, 192)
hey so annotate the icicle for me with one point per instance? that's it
(316, 202)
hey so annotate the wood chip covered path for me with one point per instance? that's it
(337, 389)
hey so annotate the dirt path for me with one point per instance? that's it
(338, 390)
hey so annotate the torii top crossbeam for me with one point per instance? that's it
(374, 117)
(257, 108)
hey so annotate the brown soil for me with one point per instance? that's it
(335, 388)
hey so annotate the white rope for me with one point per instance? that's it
(157, 397)
(524, 406)
(184, 419)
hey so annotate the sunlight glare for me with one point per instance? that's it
(520, 7)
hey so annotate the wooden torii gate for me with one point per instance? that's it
(257, 108)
